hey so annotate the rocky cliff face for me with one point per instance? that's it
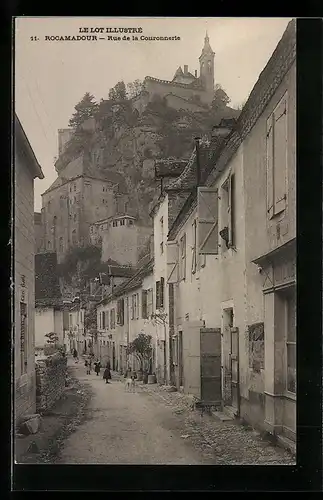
(119, 139)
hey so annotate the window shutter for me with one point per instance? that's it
(161, 292)
(122, 312)
(172, 262)
(118, 312)
(231, 210)
(103, 320)
(158, 294)
(270, 167)
(207, 212)
(194, 257)
(280, 156)
(144, 304)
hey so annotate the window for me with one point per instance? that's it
(103, 320)
(23, 337)
(130, 222)
(150, 305)
(134, 306)
(61, 244)
(74, 237)
(70, 189)
(112, 319)
(103, 188)
(120, 312)
(49, 245)
(122, 222)
(74, 187)
(227, 232)
(276, 145)
(291, 341)
(160, 293)
(115, 223)
(49, 207)
(182, 257)
(144, 296)
(194, 257)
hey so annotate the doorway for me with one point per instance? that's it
(113, 357)
(230, 361)
(180, 359)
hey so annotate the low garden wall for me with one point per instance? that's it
(50, 380)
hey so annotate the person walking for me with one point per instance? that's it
(107, 374)
(97, 367)
(75, 355)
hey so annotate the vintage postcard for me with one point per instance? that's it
(154, 241)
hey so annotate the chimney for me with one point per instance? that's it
(196, 73)
(185, 69)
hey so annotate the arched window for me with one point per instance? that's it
(48, 245)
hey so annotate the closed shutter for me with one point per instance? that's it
(103, 320)
(157, 294)
(231, 211)
(144, 304)
(172, 262)
(280, 157)
(207, 213)
(118, 312)
(270, 167)
(161, 292)
(122, 312)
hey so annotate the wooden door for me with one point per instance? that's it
(210, 339)
(180, 358)
(235, 367)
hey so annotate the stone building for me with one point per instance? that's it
(26, 169)
(185, 90)
(125, 313)
(231, 254)
(48, 300)
(80, 196)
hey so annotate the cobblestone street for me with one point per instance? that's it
(153, 426)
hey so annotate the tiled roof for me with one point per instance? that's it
(50, 302)
(134, 282)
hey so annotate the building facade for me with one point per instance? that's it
(122, 239)
(48, 319)
(26, 169)
(232, 262)
(123, 315)
(80, 196)
(186, 90)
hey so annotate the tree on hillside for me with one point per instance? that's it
(85, 109)
(134, 88)
(221, 98)
(118, 92)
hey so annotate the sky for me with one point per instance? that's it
(51, 77)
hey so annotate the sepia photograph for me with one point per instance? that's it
(154, 230)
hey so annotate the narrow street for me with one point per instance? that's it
(152, 426)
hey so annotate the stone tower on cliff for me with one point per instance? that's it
(207, 65)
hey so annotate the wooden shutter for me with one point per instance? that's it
(118, 311)
(172, 262)
(161, 292)
(207, 212)
(121, 312)
(231, 210)
(103, 320)
(194, 256)
(280, 156)
(270, 166)
(157, 294)
(144, 304)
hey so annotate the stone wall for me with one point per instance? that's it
(50, 380)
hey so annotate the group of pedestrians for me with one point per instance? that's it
(97, 369)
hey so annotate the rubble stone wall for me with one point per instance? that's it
(50, 380)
